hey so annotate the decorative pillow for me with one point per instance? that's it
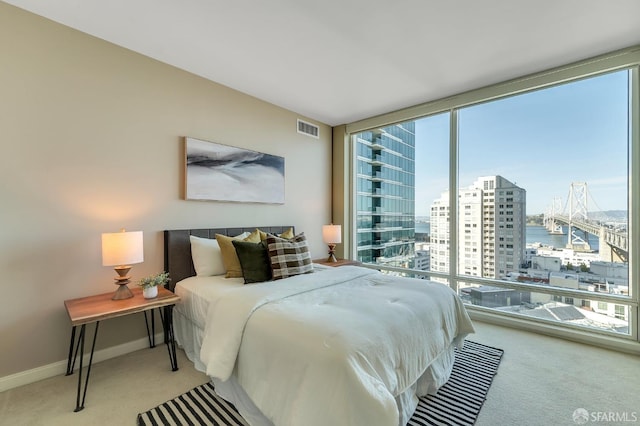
(288, 234)
(254, 261)
(229, 256)
(242, 236)
(289, 257)
(206, 256)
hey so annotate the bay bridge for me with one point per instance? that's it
(612, 233)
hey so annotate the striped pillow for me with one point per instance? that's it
(289, 257)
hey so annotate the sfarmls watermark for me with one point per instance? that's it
(582, 416)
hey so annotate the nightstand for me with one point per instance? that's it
(93, 309)
(340, 262)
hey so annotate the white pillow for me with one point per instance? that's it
(206, 256)
(242, 236)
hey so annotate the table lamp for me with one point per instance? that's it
(122, 249)
(332, 235)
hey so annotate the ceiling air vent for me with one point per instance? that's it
(308, 129)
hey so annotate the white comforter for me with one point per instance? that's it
(334, 347)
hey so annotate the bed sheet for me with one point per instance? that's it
(196, 293)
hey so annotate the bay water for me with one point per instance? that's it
(535, 234)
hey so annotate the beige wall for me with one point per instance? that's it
(91, 141)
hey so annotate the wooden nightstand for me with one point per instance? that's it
(86, 310)
(340, 262)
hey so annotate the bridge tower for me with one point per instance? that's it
(550, 222)
(577, 212)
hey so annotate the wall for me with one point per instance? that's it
(91, 141)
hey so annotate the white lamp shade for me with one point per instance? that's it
(332, 234)
(122, 248)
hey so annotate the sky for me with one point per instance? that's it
(542, 141)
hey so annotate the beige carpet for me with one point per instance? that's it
(541, 381)
(119, 389)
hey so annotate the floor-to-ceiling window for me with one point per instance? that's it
(521, 200)
(550, 171)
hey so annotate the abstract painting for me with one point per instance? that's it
(226, 173)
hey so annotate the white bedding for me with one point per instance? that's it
(342, 346)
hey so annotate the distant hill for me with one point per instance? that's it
(535, 219)
(615, 215)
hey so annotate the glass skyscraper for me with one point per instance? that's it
(385, 205)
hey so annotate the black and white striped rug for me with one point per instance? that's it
(457, 403)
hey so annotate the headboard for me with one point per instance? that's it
(177, 248)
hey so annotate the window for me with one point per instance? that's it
(520, 144)
(529, 188)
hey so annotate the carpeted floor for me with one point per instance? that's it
(542, 381)
(457, 403)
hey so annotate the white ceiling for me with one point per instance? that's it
(338, 61)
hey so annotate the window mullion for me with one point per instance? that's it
(453, 200)
(634, 198)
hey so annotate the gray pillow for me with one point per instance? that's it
(254, 261)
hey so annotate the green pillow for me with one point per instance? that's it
(254, 261)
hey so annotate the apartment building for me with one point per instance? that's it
(491, 229)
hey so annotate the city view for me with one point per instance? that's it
(537, 202)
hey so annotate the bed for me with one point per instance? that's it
(346, 345)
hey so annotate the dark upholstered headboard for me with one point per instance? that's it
(177, 248)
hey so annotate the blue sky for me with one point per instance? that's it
(542, 141)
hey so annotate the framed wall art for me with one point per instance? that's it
(226, 173)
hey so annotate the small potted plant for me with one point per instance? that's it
(150, 284)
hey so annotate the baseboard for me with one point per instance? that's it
(60, 367)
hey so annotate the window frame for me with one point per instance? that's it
(628, 59)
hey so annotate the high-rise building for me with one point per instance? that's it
(385, 204)
(439, 234)
(491, 234)
(422, 260)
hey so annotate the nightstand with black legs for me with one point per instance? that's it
(93, 309)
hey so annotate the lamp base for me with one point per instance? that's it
(332, 256)
(122, 292)
(122, 280)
